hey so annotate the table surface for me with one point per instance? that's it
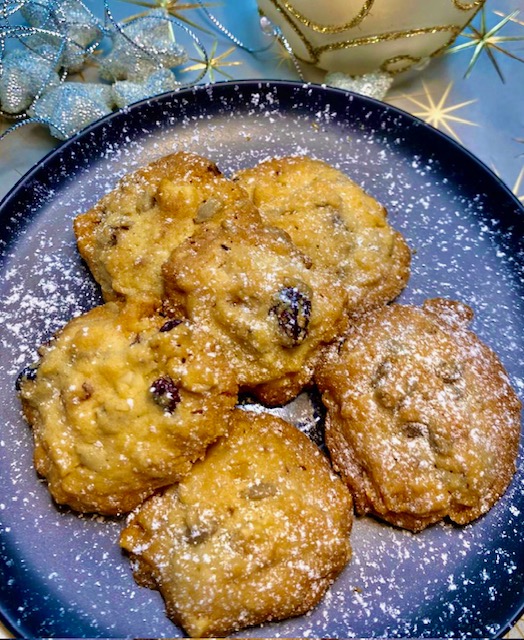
(480, 110)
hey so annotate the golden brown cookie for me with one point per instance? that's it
(257, 531)
(329, 217)
(131, 231)
(121, 403)
(422, 421)
(261, 299)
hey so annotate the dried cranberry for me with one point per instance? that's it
(165, 393)
(170, 324)
(293, 312)
(28, 373)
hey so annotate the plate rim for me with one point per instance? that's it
(248, 84)
(78, 137)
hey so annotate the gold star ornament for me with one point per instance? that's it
(215, 62)
(437, 111)
(481, 39)
(175, 8)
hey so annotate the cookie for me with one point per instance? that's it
(262, 301)
(257, 531)
(131, 231)
(123, 402)
(422, 420)
(335, 222)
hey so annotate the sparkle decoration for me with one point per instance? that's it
(26, 74)
(283, 57)
(71, 106)
(175, 8)
(22, 78)
(70, 18)
(516, 190)
(286, 54)
(511, 19)
(438, 112)
(215, 63)
(135, 59)
(489, 41)
(142, 46)
(126, 92)
(374, 85)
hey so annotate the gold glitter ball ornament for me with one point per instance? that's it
(356, 37)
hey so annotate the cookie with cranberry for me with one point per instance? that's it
(261, 299)
(335, 222)
(422, 421)
(123, 402)
(131, 231)
(257, 531)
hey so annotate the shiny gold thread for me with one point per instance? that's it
(315, 26)
(387, 37)
(314, 53)
(391, 65)
(308, 46)
(468, 6)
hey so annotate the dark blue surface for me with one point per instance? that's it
(64, 576)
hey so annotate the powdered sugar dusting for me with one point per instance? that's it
(65, 575)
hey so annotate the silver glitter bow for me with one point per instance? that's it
(142, 46)
(23, 77)
(70, 18)
(63, 36)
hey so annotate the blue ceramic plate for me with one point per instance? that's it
(63, 575)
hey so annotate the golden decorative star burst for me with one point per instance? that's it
(175, 8)
(283, 57)
(511, 19)
(517, 186)
(215, 63)
(438, 112)
(483, 39)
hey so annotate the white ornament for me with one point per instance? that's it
(362, 36)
